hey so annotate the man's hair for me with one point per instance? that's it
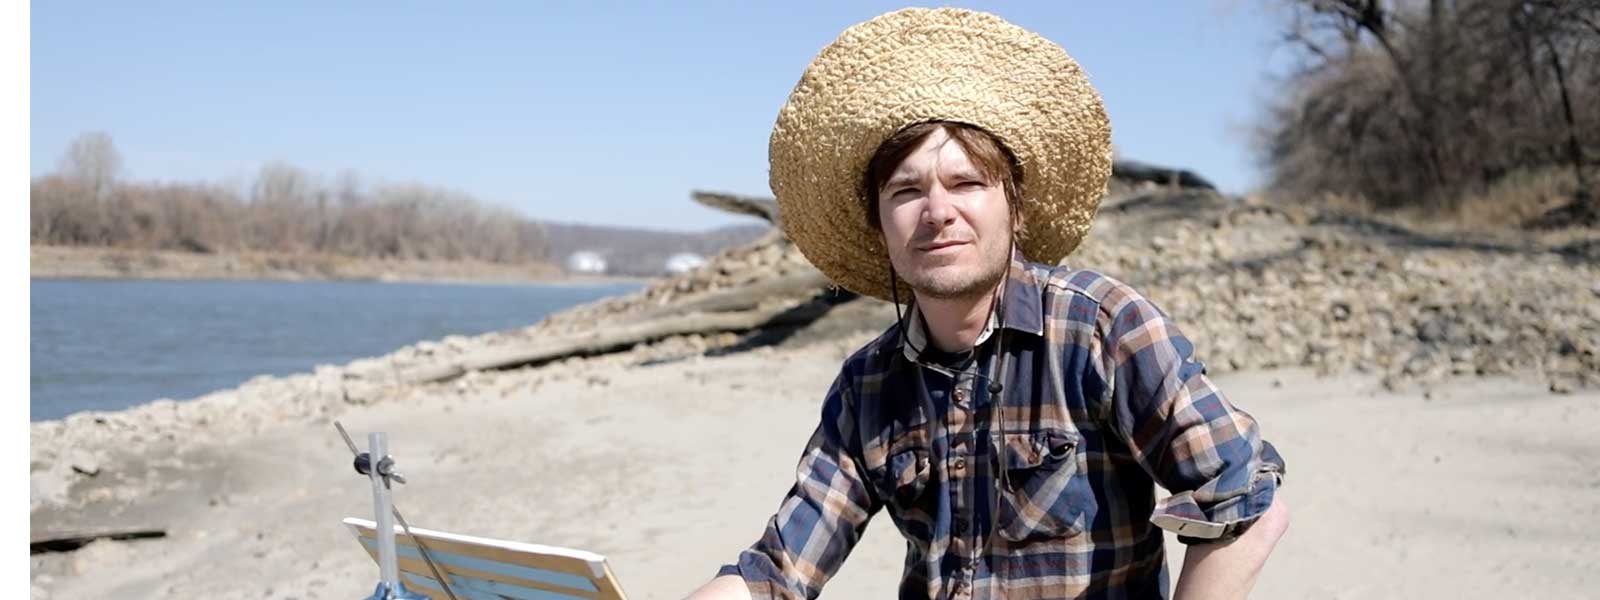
(994, 162)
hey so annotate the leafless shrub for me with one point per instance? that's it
(1430, 104)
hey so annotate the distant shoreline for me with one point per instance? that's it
(76, 262)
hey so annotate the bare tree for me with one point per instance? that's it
(281, 205)
(285, 209)
(1556, 22)
(1426, 101)
(92, 158)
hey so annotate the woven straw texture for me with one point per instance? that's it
(917, 65)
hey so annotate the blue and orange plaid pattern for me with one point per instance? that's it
(1102, 400)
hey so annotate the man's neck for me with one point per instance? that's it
(954, 324)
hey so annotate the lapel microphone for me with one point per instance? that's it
(994, 385)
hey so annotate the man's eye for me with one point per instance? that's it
(971, 185)
(905, 193)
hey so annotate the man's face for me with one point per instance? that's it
(947, 228)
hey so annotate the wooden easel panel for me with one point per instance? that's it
(491, 569)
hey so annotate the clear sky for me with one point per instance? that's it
(578, 112)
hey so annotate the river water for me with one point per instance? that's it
(107, 345)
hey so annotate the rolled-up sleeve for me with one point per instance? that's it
(1208, 453)
(822, 516)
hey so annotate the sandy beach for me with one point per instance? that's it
(1479, 489)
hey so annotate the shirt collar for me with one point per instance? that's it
(1022, 308)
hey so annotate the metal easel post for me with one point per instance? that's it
(383, 504)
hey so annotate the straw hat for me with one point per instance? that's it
(916, 65)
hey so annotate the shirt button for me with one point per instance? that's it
(960, 395)
(961, 463)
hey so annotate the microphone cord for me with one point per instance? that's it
(997, 444)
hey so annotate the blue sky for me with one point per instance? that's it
(578, 112)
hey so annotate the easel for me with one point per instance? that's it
(381, 472)
(455, 566)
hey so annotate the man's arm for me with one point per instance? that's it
(1186, 434)
(1229, 569)
(728, 587)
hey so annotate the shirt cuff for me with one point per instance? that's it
(1226, 520)
(760, 587)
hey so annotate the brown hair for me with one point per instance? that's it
(993, 161)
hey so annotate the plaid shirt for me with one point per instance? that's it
(1102, 399)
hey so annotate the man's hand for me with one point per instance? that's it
(1229, 570)
(726, 587)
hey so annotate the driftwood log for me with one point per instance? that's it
(67, 541)
(763, 208)
(1133, 170)
(754, 314)
(805, 283)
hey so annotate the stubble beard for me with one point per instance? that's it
(960, 284)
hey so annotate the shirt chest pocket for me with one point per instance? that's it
(1042, 497)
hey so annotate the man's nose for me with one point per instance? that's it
(940, 210)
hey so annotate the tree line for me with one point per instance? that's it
(1428, 102)
(284, 210)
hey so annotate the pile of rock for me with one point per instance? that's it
(1258, 286)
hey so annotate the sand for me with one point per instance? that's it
(1487, 488)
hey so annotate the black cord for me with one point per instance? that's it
(994, 386)
(997, 444)
(997, 415)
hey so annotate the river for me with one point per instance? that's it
(112, 344)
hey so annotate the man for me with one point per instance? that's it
(1015, 422)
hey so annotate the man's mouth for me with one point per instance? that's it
(936, 246)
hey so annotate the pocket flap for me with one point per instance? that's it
(908, 466)
(905, 476)
(1032, 449)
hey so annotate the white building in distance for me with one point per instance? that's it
(683, 262)
(585, 261)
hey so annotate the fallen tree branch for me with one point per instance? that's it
(68, 541)
(613, 339)
(1133, 170)
(764, 208)
(805, 283)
